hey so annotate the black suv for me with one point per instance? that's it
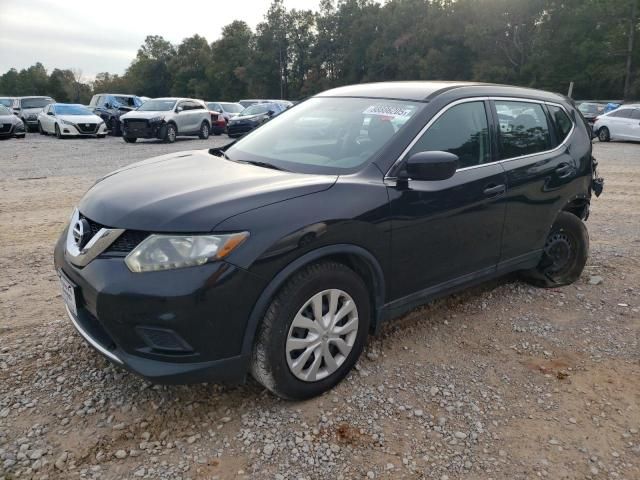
(278, 254)
(110, 106)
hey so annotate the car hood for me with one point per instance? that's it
(8, 119)
(80, 118)
(190, 192)
(145, 114)
(30, 111)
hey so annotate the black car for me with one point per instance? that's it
(10, 124)
(254, 116)
(279, 253)
(111, 106)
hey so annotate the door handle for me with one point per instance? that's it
(494, 190)
(564, 170)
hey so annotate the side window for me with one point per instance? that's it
(183, 105)
(562, 122)
(462, 130)
(196, 106)
(523, 129)
(636, 114)
(622, 113)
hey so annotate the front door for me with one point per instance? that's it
(445, 232)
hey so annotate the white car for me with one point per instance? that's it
(166, 119)
(623, 123)
(70, 120)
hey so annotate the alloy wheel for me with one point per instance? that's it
(322, 335)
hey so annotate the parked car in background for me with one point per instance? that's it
(7, 102)
(280, 253)
(70, 120)
(253, 101)
(218, 123)
(28, 108)
(253, 116)
(10, 125)
(166, 119)
(623, 123)
(228, 109)
(590, 110)
(111, 106)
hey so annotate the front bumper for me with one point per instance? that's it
(179, 326)
(141, 128)
(11, 130)
(237, 129)
(78, 131)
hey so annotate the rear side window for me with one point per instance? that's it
(462, 130)
(562, 122)
(636, 114)
(523, 129)
(623, 113)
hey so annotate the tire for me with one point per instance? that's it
(603, 134)
(21, 137)
(101, 136)
(130, 139)
(40, 130)
(58, 134)
(114, 128)
(171, 133)
(204, 131)
(565, 253)
(273, 366)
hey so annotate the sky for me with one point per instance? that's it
(98, 36)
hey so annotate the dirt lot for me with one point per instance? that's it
(501, 382)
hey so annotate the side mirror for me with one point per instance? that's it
(434, 165)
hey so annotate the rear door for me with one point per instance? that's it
(619, 123)
(449, 231)
(198, 114)
(634, 128)
(538, 168)
(182, 116)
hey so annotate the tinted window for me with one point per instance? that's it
(196, 106)
(72, 110)
(636, 113)
(523, 129)
(39, 102)
(157, 106)
(462, 130)
(6, 102)
(622, 113)
(562, 122)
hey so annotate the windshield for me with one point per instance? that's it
(35, 102)
(257, 109)
(72, 110)
(130, 102)
(157, 106)
(6, 102)
(232, 107)
(325, 135)
(590, 108)
(4, 110)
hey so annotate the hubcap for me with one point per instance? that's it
(559, 250)
(322, 335)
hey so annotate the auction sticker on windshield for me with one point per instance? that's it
(386, 110)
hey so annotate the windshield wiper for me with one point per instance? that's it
(263, 164)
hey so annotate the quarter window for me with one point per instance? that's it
(523, 129)
(462, 130)
(562, 122)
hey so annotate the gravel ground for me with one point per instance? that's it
(503, 381)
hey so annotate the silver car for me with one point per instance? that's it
(166, 119)
(28, 108)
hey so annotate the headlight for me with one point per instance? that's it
(166, 252)
(159, 118)
(66, 122)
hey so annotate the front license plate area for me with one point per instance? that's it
(68, 293)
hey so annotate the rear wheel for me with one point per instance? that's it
(204, 131)
(313, 332)
(604, 135)
(130, 139)
(171, 133)
(565, 253)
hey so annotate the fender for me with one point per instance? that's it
(274, 285)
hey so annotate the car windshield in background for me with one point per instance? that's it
(72, 110)
(6, 102)
(590, 108)
(157, 106)
(131, 102)
(325, 135)
(35, 102)
(4, 110)
(256, 109)
(232, 107)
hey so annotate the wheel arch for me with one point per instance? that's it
(579, 206)
(357, 258)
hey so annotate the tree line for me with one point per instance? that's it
(296, 53)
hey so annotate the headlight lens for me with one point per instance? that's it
(166, 252)
(66, 122)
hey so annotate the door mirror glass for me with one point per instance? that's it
(436, 165)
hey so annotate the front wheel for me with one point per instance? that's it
(204, 131)
(171, 133)
(58, 134)
(604, 135)
(565, 253)
(313, 332)
(40, 129)
(130, 139)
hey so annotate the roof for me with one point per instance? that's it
(116, 94)
(426, 90)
